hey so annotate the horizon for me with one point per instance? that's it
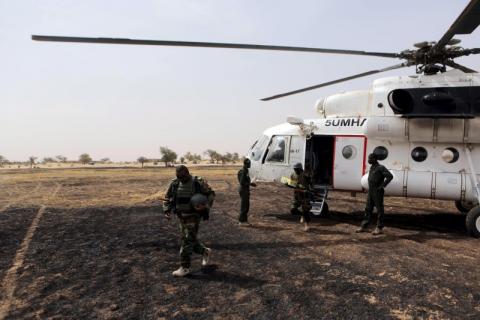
(76, 159)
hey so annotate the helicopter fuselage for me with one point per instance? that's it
(427, 154)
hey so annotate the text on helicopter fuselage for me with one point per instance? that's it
(353, 122)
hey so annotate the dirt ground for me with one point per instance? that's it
(92, 243)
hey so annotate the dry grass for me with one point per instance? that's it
(87, 187)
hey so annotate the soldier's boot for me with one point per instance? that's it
(361, 229)
(181, 272)
(244, 224)
(207, 254)
(377, 231)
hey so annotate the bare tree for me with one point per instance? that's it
(48, 160)
(142, 160)
(193, 157)
(196, 158)
(227, 157)
(84, 158)
(235, 157)
(31, 160)
(168, 155)
(213, 155)
(188, 156)
(61, 158)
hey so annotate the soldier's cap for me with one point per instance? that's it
(297, 165)
(199, 199)
(246, 160)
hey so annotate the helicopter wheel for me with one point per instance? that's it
(464, 206)
(473, 222)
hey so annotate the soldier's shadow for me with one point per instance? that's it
(211, 273)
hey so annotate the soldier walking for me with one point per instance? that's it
(301, 198)
(244, 191)
(378, 178)
(190, 198)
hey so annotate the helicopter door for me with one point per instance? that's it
(297, 150)
(349, 162)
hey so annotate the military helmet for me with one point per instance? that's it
(199, 200)
(297, 165)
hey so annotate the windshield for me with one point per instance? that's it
(276, 150)
(258, 148)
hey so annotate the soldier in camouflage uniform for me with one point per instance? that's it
(301, 195)
(378, 178)
(244, 191)
(184, 198)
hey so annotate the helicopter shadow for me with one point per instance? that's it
(440, 222)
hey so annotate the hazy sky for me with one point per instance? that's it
(122, 101)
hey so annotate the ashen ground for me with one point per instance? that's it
(100, 248)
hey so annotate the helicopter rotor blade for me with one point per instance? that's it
(210, 45)
(363, 74)
(455, 65)
(466, 23)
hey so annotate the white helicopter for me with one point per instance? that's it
(424, 128)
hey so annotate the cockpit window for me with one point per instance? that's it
(276, 150)
(257, 149)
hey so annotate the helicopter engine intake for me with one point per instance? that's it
(439, 102)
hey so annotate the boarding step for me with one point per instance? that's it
(320, 193)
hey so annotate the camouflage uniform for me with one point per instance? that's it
(378, 178)
(244, 191)
(178, 198)
(301, 198)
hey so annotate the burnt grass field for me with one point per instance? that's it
(93, 244)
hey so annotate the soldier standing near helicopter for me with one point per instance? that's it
(301, 195)
(378, 178)
(190, 198)
(244, 191)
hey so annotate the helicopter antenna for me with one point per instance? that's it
(428, 57)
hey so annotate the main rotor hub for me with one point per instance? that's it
(430, 60)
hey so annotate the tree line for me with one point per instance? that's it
(84, 158)
(168, 157)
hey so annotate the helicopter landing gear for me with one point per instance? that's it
(473, 222)
(464, 206)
